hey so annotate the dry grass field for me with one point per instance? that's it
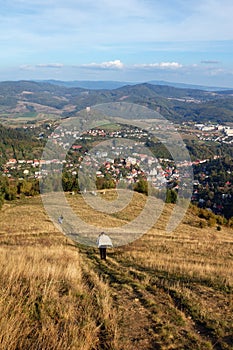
(164, 291)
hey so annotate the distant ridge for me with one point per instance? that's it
(110, 85)
(189, 86)
(89, 84)
(32, 99)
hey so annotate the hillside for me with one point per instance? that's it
(19, 143)
(164, 291)
(29, 101)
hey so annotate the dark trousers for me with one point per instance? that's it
(103, 252)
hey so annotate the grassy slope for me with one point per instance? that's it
(164, 291)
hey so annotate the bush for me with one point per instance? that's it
(141, 186)
(171, 196)
(230, 222)
(220, 220)
(211, 222)
(102, 184)
(202, 224)
(11, 193)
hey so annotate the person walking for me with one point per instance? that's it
(60, 219)
(103, 242)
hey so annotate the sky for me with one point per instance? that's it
(123, 40)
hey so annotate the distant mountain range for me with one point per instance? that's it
(29, 98)
(109, 85)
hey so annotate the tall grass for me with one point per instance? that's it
(54, 295)
(49, 299)
(44, 303)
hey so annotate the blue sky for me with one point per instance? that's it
(128, 40)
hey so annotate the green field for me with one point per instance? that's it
(27, 119)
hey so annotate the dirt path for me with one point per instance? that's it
(150, 316)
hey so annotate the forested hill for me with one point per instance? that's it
(176, 104)
(18, 143)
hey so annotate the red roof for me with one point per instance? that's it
(77, 146)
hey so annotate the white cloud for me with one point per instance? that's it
(50, 65)
(117, 64)
(172, 36)
(27, 67)
(210, 62)
(30, 67)
(165, 65)
(194, 73)
(61, 30)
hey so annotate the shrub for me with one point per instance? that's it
(205, 214)
(230, 222)
(171, 196)
(11, 193)
(141, 186)
(202, 224)
(211, 222)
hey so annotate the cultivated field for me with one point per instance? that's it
(164, 291)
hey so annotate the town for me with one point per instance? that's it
(117, 156)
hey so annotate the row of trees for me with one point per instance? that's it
(10, 189)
